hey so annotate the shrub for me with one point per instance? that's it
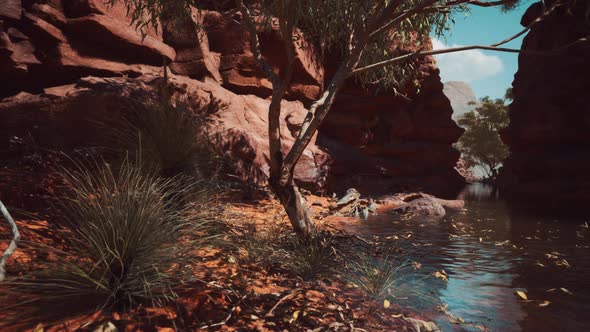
(126, 243)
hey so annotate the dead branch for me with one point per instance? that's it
(283, 299)
(223, 322)
(12, 246)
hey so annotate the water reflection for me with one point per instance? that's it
(489, 252)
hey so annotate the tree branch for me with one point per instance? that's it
(461, 49)
(286, 26)
(286, 17)
(382, 16)
(402, 16)
(317, 112)
(12, 246)
(488, 3)
(255, 43)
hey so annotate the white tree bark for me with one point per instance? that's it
(12, 246)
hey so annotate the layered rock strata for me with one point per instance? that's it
(65, 62)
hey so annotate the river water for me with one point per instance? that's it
(489, 252)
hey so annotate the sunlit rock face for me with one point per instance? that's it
(549, 131)
(57, 56)
(66, 65)
(461, 96)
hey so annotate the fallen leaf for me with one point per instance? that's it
(441, 275)
(544, 303)
(39, 328)
(563, 262)
(296, 315)
(566, 291)
(522, 295)
(106, 327)
(386, 304)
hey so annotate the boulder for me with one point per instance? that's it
(419, 205)
(423, 207)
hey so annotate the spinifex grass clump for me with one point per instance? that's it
(126, 241)
(311, 256)
(382, 277)
(259, 244)
(378, 277)
(168, 138)
(275, 245)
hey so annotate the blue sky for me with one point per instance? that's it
(488, 73)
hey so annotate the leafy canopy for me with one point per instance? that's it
(481, 144)
(329, 24)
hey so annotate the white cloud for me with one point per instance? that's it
(466, 66)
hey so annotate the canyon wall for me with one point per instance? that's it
(382, 142)
(549, 131)
(64, 64)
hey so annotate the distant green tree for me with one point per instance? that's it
(481, 144)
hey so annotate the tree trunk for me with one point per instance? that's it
(294, 204)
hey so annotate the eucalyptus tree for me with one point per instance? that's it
(363, 32)
(481, 144)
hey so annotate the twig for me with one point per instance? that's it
(283, 299)
(12, 246)
(231, 312)
(348, 235)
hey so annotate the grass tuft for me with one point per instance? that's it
(126, 239)
(310, 257)
(169, 139)
(383, 277)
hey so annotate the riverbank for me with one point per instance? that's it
(255, 276)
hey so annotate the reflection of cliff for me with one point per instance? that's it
(540, 271)
(46, 47)
(549, 131)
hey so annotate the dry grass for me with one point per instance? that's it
(125, 243)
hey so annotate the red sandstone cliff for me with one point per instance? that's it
(50, 50)
(380, 140)
(549, 131)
